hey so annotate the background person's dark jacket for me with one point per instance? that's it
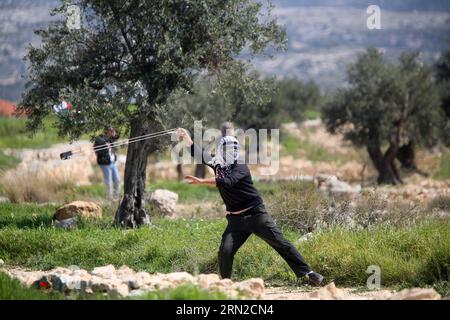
(104, 156)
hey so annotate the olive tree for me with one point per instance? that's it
(385, 108)
(125, 61)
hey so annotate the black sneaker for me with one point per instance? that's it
(315, 279)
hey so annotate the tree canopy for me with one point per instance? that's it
(386, 105)
(127, 59)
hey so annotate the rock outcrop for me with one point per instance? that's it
(82, 209)
(416, 294)
(125, 281)
(164, 201)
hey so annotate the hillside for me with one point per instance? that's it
(324, 36)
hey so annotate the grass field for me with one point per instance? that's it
(414, 256)
(302, 148)
(13, 134)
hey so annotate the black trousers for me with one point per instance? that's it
(259, 222)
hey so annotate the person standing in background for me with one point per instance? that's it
(106, 159)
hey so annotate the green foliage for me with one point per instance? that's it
(297, 100)
(297, 147)
(385, 100)
(387, 105)
(247, 100)
(416, 256)
(412, 256)
(312, 114)
(442, 68)
(140, 52)
(13, 134)
(26, 215)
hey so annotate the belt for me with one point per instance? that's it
(248, 212)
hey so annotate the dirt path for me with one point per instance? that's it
(286, 293)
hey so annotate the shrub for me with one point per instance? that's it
(297, 205)
(440, 203)
(303, 207)
(444, 170)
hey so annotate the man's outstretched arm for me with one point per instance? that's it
(195, 180)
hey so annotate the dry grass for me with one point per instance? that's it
(302, 207)
(35, 186)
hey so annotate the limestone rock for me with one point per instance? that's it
(416, 294)
(206, 280)
(82, 209)
(253, 288)
(328, 292)
(4, 199)
(179, 277)
(164, 201)
(124, 281)
(105, 272)
(334, 186)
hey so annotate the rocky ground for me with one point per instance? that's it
(331, 292)
(125, 282)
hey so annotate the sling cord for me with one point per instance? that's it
(66, 155)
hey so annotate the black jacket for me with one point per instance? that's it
(106, 156)
(235, 185)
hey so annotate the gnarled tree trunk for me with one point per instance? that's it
(385, 164)
(131, 212)
(407, 157)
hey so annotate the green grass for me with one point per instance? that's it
(312, 114)
(7, 162)
(186, 193)
(444, 170)
(13, 134)
(12, 289)
(295, 147)
(414, 256)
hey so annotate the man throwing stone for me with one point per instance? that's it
(246, 212)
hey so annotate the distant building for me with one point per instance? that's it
(7, 109)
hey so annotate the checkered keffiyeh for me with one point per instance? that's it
(227, 152)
